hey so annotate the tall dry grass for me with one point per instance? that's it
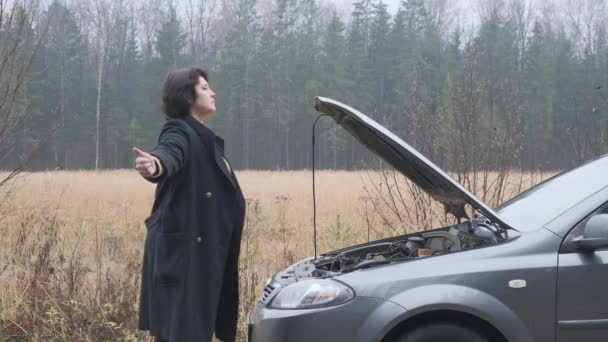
(72, 242)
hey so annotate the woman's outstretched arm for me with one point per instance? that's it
(168, 157)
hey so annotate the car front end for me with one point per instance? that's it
(480, 272)
(356, 319)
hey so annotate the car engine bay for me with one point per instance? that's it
(476, 233)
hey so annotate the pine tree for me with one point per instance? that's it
(335, 82)
(537, 88)
(57, 103)
(563, 72)
(379, 57)
(400, 61)
(237, 82)
(284, 91)
(171, 41)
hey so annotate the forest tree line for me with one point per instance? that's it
(524, 87)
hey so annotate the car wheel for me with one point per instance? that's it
(442, 332)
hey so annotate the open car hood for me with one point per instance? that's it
(413, 165)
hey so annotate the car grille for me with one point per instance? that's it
(269, 292)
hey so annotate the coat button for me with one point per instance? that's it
(208, 194)
(199, 239)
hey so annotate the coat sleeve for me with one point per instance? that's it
(172, 149)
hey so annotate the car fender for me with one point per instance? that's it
(464, 299)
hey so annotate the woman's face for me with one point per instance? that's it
(204, 103)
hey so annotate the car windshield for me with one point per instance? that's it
(540, 204)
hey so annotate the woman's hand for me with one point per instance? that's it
(145, 163)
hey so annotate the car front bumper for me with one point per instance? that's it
(363, 319)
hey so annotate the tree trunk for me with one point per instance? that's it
(99, 83)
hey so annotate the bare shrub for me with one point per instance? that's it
(47, 293)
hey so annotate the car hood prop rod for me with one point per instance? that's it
(314, 197)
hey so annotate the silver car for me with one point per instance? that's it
(533, 269)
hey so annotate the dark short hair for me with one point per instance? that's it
(178, 91)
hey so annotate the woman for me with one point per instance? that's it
(190, 266)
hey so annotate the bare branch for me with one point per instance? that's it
(17, 49)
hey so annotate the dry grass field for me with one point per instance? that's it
(71, 242)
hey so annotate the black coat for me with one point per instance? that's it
(190, 266)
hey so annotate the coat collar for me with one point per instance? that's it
(208, 136)
(214, 143)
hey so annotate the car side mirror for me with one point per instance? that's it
(595, 234)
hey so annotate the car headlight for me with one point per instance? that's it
(312, 293)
